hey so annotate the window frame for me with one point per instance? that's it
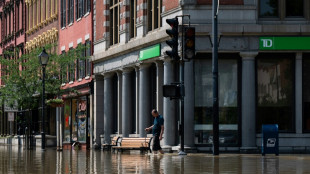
(153, 13)
(71, 69)
(64, 69)
(238, 59)
(17, 16)
(63, 13)
(80, 73)
(276, 56)
(133, 19)
(87, 6)
(114, 24)
(282, 12)
(88, 64)
(70, 11)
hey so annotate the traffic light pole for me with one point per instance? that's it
(181, 77)
(173, 43)
(215, 79)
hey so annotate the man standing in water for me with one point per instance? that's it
(157, 130)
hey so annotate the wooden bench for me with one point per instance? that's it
(114, 142)
(142, 144)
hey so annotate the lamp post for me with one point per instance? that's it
(43, 59)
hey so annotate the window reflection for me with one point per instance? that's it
(268, 8)
(228, 101)
(275, 92)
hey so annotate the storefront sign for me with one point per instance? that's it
(11, 116)
(284, 43)
(150, 52)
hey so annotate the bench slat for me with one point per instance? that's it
(133, 144)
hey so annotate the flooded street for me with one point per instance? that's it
(17, 160)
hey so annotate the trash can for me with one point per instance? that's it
(270, 139)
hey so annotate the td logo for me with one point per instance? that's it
(267, 43)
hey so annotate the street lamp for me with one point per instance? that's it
(43, 59)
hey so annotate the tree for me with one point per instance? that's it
(22, 77)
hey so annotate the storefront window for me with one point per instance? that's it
(306, 92)
(275, 96)
(67, 121)
(74, 120)
(228, 101)
(82, 119)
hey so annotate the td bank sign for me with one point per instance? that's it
(284, 43)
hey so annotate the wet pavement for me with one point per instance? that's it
(18, 160)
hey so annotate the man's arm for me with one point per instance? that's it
(149, 128)
(161, 132)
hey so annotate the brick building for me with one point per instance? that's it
(12, 37)
(259, 83)
(76, 29)
(41, 28)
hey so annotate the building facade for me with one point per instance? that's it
(12, 37)
(76, 32)
(262, 79)
(41, 22)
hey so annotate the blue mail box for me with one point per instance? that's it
(270, 139)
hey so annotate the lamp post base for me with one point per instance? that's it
(42, 140)
(182, 153)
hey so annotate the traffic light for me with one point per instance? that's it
(189, 46)
(174, 34)
(173, 91)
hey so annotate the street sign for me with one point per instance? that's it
(10, 116)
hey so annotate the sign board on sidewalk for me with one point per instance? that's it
(10, 116)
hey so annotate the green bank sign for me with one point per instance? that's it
(284, 43)
(150, 52)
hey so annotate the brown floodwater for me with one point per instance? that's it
(18, 160)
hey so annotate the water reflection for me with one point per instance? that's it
(18, 160)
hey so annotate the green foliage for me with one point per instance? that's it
(56, 101)
(23, 76)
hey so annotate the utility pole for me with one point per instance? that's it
(215, 79)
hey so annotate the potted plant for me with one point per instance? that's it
(57, 102)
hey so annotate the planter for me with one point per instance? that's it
(55, 105)
(55, 102)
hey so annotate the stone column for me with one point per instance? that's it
(189, 104)
(91, 120)
(169, 108)
(119, 102)
(98, 110)
(248, 101)
(144, 99)
(159, 86)
(108, 107)
(137, 99)
(127, 103)
(298, 92)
